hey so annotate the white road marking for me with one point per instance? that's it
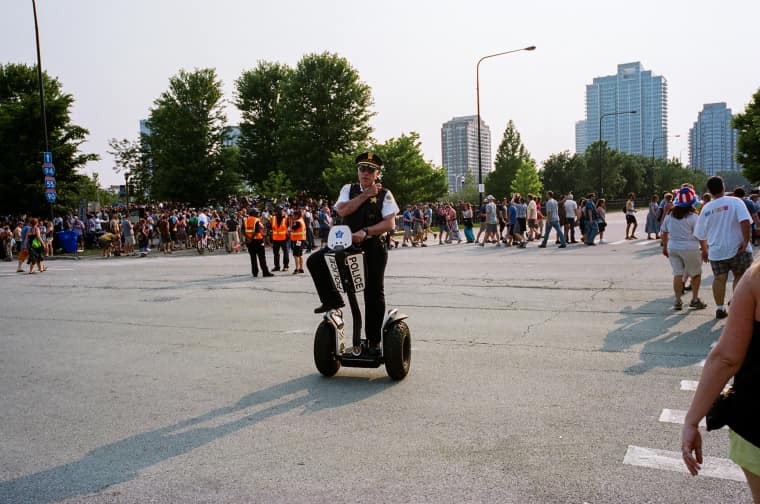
(690, 385)
(713, 467)
(701, 363)
(619, 242)
(646, 242)
(678, 417)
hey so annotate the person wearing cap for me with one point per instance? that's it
(370, 211)
(682, 248)
(723, 228)
(254, 230)
(492, 221)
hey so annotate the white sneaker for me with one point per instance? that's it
(602, 242)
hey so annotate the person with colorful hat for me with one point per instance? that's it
(682, 248)
(370, 211)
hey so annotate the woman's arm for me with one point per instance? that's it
(722, 363)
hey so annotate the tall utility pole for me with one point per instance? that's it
(42, 88)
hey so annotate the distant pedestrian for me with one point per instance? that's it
(570, 207)
(552, 221)
(630, 217)
(653, 218)
(601, 210)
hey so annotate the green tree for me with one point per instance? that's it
(275, 186)
(732, 179)
(405, 172)
(258, 95)
(132, 160)
(186, 142)
(527, 180)
(22, 142)
(561, 172)
(468, 192)
(325, 111)
(509, 159)
(748, 142)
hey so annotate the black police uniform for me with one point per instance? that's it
(375, 259)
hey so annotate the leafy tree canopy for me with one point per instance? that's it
(22, 142)
(527, 180)
(509, 158)
(258, 93)
(748, 142)
(325, 112)
(188, 159)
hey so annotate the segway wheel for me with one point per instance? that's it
(324, 350)
(397, 348)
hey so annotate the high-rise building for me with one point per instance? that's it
(631, 89)
(580, 137)
(712, 140)
(459, 143)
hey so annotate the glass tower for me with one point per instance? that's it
(459, 145)
(632, 88)
(712, 140)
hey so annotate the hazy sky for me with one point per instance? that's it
(419, 57)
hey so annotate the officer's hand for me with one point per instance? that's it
(373, 190)
(358, 236)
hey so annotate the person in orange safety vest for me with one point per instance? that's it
(298, 237)
(254, 239)
(280, 238)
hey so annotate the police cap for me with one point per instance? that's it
(368, 158)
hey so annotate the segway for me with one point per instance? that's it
(347, 271)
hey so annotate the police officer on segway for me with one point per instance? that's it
(370, 211)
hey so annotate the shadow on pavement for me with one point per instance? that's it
(123, 460)
(663, 348)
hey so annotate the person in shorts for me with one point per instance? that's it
(723, 228)
(630, 217)
(681, 247)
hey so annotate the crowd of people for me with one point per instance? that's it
(507, 222)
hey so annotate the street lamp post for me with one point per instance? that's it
(601, 151)
(477, 92)
(42, 89)
(126, 188)
(658, 137)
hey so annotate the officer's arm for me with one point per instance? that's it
(384, 226)
(345, 208)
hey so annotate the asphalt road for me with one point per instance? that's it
(535, 375)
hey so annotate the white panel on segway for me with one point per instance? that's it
(355, 263)
(332, 265)
(339, 238)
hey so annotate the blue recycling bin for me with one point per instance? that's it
(68, 241)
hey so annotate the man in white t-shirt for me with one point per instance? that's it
(723, 229)
(203, 218)
(570, 208)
